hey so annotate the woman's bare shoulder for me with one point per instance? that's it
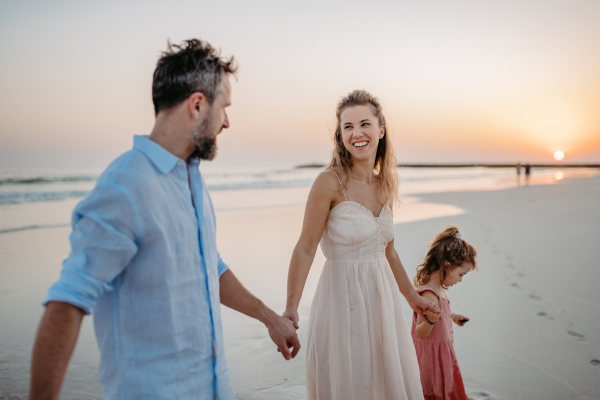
(327, 186)
(326, 180)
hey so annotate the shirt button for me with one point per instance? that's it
(179, 163)
(186, 187)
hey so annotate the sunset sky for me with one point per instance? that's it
(461, 81)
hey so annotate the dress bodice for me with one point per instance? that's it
(352, 232)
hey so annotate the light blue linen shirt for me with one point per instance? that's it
(144, 259)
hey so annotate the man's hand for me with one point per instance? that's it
(293, 316)
(283, 334)
(420, 304)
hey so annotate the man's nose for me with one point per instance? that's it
(225, 121)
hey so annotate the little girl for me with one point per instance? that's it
(446, 262)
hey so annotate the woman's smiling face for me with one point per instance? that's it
(360, 131)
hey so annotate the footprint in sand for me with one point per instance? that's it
(576, 335)
(516, 285)
(595, 362)
(521, 274)
(510, 258)
(480, 395)
(534, 296)
(545, 315)
(511, 266)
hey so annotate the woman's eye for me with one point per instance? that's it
(366, 124)
(347, 127)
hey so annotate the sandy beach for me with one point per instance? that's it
(534, 330)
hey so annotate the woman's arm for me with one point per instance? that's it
(323, 194)
(416, 302)
(424, 328)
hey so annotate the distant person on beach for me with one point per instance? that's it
(527, 173)
(518, 174)
(447, 261)
(144, 255)
(359, 344)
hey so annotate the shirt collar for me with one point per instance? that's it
(160, 157)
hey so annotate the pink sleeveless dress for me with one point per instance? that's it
(359, 345)
(440, 375)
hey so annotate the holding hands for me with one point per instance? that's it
(422, 305)
(293, 316)
(283, 334)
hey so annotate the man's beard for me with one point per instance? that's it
(205, 137)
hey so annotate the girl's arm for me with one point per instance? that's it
(323, 194)
(424, 328)
(416, 302)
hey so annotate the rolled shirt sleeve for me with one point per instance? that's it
(107, 229)
(222, 266)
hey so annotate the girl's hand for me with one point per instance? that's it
(432, 317)
(293, 316)
(459, 319)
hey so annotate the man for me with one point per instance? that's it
(144, 256)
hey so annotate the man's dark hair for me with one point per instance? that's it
(193, 66)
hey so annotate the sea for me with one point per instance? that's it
(23, 191)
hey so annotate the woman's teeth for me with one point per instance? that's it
(361, 144)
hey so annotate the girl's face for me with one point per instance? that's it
(360, 132)
(455, 274)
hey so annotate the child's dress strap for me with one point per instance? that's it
(342, 186)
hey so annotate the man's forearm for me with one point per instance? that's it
(234, 295)
(53, 348)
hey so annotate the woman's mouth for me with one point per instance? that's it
(360, 144)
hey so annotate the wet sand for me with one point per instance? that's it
(533, 305)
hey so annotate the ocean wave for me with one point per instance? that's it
(36, 196)
(55, 195)
(46, 179)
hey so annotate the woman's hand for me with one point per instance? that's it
(420, 304)
(293, 316)
(459, 319)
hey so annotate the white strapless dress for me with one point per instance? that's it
(359, 345)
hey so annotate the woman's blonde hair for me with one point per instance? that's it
(448, 246)
(385, 160)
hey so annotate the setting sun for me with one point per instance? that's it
(559, 155)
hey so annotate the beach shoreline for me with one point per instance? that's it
(533, 330)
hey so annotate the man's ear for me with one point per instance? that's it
(197, 105)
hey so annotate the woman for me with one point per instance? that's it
(359, 345)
